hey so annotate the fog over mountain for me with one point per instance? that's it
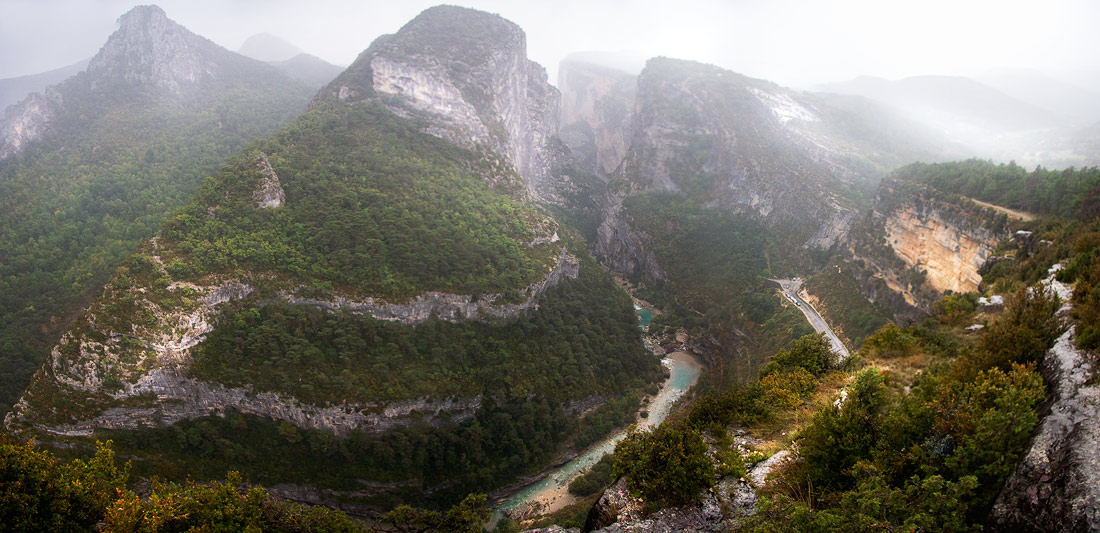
(791, 42)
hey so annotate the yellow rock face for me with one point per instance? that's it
(949, 256)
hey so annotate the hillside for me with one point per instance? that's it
(980, 416)
(95, 164)
(728, 181)
(372, 292)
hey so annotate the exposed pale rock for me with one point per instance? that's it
(269, 191)
(27, 121)
(154, 387)
(950, 255)
(450, 307)
(596, 113)
(1056, 485)
(914, 247)
(150, 49)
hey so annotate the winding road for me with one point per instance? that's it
(791, 288)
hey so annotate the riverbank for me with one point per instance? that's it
(551, 493)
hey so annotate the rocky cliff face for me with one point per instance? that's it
(916, 245)
(150, 50)
(735, 143)
(596, 113)
(27, 121)
(149, 57)
(1056, 486)
(466, 72)
(129, 373)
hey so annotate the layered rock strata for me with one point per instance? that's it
(141, 378)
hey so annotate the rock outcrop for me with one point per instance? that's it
(1056, 486)
(467, 74)
(915, 246)
(151, 50)
(269, 192)
(135, 374)
(27, 121)
(596, 113)
(623, 249)
(719, 509)
(450, 307)
(737, 144)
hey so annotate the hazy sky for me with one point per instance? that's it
(791, 42)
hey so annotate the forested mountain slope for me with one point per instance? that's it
(95, 164)
(368, 292)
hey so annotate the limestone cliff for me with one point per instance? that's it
(466, 73)
(28, 120)
(735, 143)
(596, 113)
(917, 244)
(126, 372)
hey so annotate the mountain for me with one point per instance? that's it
(268, 48)
(13, 90)
(988, 122)
(596, 111)
(725, 181)
(749, 146)
(476, 86)
(371, 287)
(308, 69)
(949, 101)
(93, 165)
(1076, 105)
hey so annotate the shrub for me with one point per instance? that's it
(668, 466)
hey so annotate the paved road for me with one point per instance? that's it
(791, 288)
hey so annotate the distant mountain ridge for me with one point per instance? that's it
(150, 57)
(308, 69)
(268, 48)
(14, 90)
(945, 99)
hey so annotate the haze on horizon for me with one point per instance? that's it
(796, 43)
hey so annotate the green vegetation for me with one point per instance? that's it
(929, 452)
(843, 306)
(116, 164)
(595, 479)
(581, 341)
(667, 465)
(467, 516)
(934, 458)
(717, 281)
(1062, 193)
(38, 493)
(351, 173)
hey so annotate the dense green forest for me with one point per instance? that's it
(581, 341)
(351, 174)
(1062, 193)
(74, 204)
